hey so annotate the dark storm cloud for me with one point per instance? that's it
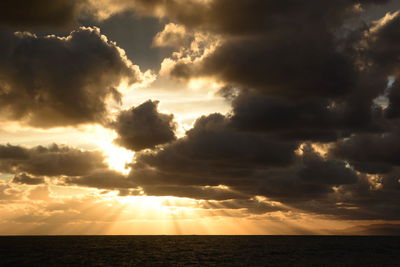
(212, 153)
(311, 119)
(273, 47)
(300, 76)
(54, 160)
(300, 66)
(393, 110)
(370, 153)
(307, 119)
(375, 12)
(279, 66)
(13, 152)
(52, 81)
(381, 48)
(304, 72)
(295, 73)
(382, 43)
(195, 166)
(144, 127)
(216, 15)
(380, 51)
(373, 197)
(356, 197)
(327, 172)
(34, 13)
(308, 182)
(310, 178)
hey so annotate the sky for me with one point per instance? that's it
(199, 117)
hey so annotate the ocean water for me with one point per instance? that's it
(199, 251)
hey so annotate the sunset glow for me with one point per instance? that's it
(199, 117)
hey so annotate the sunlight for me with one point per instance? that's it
(200, 83)
(160, 205)
(116, 157)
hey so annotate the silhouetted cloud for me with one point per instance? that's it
(212, 153)
(54, 160)
(60, 81)
(40, 13)
(13, 152)
(144, 127)
(370, 153)
(300, 80)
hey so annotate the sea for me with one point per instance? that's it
(199, 251)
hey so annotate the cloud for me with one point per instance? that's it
(54, 160)
(196, 192)
(158, 8)
(63, 166)
(214, 15)
(253, 206)
(8, 193)
(370, 153)
(297, 78)
(23, 178)
(310, 119)
(39, 13)
(13, 152)
(381, 40)
(144, 127)
(61, 81)
(393, 110)
(301, 78)
(287, 81)
(101, 179)
(327, 172)
(217, 162)
(265, 38)
(172, 35)
(209, 152)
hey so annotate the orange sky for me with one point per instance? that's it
(203, 117)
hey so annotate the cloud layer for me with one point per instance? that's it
(314, 91)
(306, 128)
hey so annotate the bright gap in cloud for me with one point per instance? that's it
(116, 157)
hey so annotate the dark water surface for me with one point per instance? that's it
(199, 251)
